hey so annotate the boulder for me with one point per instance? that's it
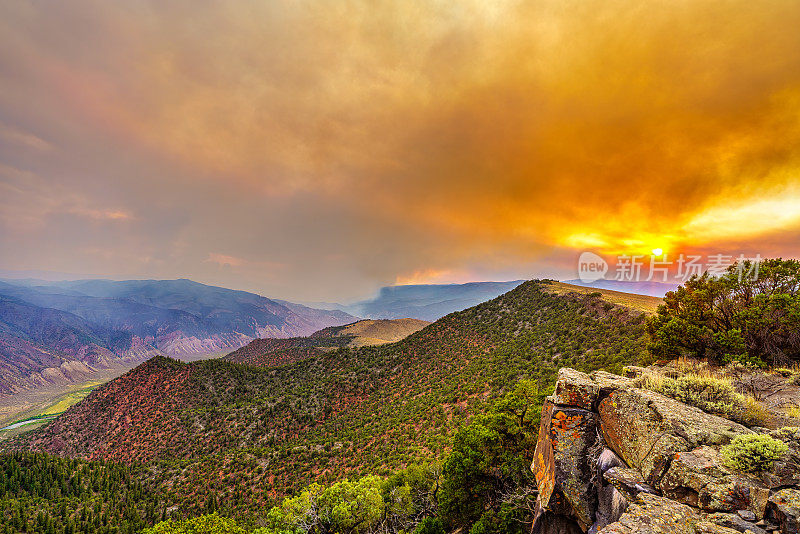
(647, 429)
(608, 459)
(784, 507)
(609, 381)
(612, 458)
(747, 515)
(698, 478)
(628, 481)
(786, 471)
(575, 389)
(611, 504)
(543, 466)
(704, 527)
(651, 514)
(735, 522)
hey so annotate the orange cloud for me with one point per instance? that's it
(434, 276)
(24, 139)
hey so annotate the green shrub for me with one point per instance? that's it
(753, 453)
(430, 525)
(346, 506)
(754, 413)
(731, 317)
(489, 455)
(206, 524)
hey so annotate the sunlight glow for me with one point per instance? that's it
(745, 219)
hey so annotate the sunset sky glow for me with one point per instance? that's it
(316, 150)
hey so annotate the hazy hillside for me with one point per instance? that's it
(336, 413)
(40, 346)
(272, 352)
(52, 330)
(428, 302)
(374, 331)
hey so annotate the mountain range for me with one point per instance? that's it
(56, 332)
(433, 301)
(61, 332)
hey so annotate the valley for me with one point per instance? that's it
(47, 402)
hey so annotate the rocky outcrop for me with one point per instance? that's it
(613, 458)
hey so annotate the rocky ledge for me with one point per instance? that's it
(613, 458)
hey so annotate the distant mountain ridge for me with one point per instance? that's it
(428, 302)
(41, 346)
(46, 326)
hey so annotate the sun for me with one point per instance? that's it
(657, 252)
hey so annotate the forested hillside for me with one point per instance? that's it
(43, 493)
(246, 436)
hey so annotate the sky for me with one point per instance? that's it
(317, 150)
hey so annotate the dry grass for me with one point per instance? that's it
(710, 392)
(380, 331)
(644, 303)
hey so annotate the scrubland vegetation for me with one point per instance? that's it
(428, 435)
(237, 439)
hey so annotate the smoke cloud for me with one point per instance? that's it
(318, 149)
